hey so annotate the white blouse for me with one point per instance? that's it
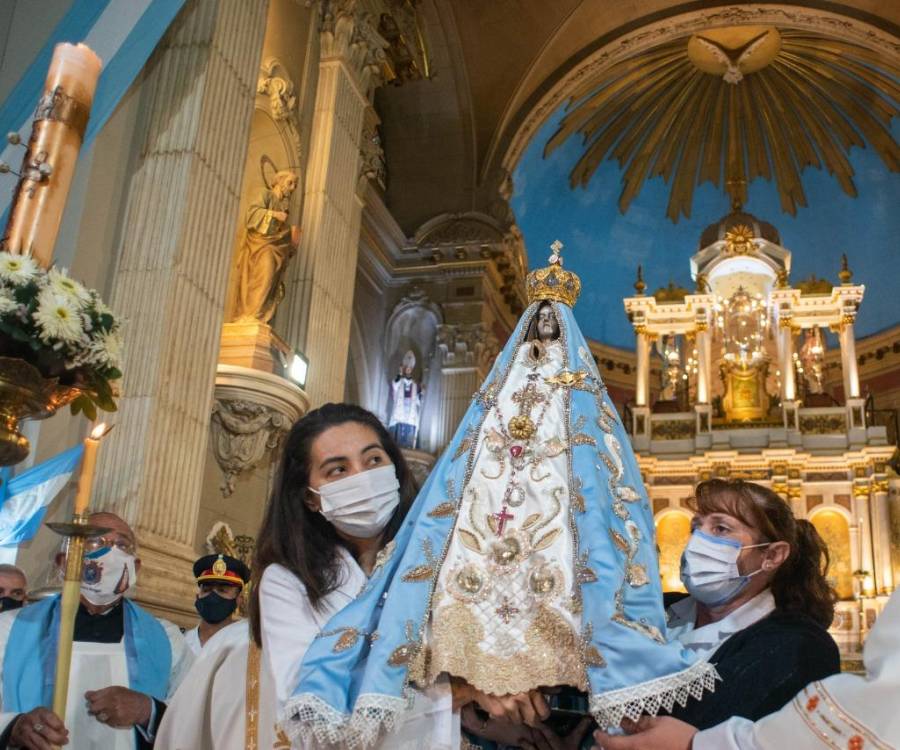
(705, 641)
(289, 622)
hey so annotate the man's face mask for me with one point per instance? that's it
(109, 573)
(7, 603)
(214, 608)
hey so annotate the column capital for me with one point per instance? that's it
(466, 344)
(349, 32)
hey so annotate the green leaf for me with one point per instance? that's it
(90, 411)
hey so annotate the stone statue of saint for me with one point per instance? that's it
(269, 243)
(407, 404)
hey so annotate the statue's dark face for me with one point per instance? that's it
(547, 324)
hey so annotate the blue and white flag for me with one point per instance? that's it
(122, 32)
(24, 498)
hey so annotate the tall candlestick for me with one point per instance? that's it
(60, 121)
(71, 589)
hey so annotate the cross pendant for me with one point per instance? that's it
(502, 517)
(506, 612)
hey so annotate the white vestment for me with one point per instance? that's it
(289, 625)
(407, 402)
(841, 712)
(210, 709)
(96, 666)
(192, 639)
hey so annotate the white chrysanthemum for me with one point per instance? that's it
(63, 286)
(100, 306)
(57, 318)
(106, 349)
(7, 301)
(17, 269)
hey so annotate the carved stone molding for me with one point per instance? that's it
(276, 84)
(252, 412)
(381, 40)
(466, 345)
(372, 166)
(348, 32)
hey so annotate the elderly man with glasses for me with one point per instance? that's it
(117, 644)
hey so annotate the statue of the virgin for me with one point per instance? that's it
(528, 559)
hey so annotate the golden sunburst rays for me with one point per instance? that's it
(742, 105)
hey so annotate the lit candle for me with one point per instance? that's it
(56, 135)
(89, 461)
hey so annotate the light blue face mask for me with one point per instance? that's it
(709, 568)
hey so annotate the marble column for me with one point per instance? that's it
(866, 552)
(319, 301)
(786, 351)
(642, 386)
(881, 529)
(461, 350)
(197, 99)
(848, 360)
(704, 365)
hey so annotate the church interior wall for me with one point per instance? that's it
(443, 125)
(290, 52)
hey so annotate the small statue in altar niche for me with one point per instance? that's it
(407, 404)
(672, 374)
(812, 360)
(269, 243)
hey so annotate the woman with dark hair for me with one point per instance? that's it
(342, 491)
(759, 605)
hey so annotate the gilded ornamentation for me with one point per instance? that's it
(823, 424)
(553, 282)
(726, 93)
(443, 510)
(403, 655)
(550, 654)
(673, 429)
(739, 240)
(424, 572)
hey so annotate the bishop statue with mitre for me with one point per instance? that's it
(528, 560)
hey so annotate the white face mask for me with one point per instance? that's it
(709, 568)
(109, 574)
(362, 504)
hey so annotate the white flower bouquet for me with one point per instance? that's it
(62, 328)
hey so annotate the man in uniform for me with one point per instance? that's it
(220, 581)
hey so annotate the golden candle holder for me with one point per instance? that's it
(76, 531)
(25, 394)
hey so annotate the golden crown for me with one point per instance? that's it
(553, 283)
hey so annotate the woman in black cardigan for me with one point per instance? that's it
(751, 565)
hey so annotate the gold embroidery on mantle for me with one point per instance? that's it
(551, 655)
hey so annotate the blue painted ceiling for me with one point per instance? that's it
(604, 247)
